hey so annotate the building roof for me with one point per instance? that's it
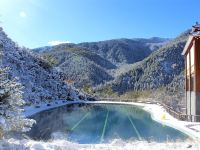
(194, 33)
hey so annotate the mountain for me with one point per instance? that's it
(41, 82)
(123, 51)
(163, 68)
(96, 63)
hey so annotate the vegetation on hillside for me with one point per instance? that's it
(50, 60)
(157, 70)
(11, 100)
(95, 62)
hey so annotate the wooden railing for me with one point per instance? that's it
(180, 115)
(170, 110)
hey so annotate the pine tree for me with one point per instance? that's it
(11, 102)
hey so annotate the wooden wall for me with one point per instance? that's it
(197, 64)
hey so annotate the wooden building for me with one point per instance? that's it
(191, 53)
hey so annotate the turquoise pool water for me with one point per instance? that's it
(100, 123)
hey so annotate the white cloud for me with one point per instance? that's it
(22, 14)
(57, 42)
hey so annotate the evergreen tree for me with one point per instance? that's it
(11, 102)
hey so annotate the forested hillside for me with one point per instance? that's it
(41, 82)
(93, 63)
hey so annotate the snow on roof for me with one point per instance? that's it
(194, 33)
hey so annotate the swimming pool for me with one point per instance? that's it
(100, 123)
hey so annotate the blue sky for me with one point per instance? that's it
(35, 23)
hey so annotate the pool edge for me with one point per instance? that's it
(153, 109)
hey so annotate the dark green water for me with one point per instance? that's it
(100, 123)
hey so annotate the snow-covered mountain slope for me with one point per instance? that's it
(157, 70)
(40, 81)
(92, 63)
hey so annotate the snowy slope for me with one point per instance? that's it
(40, 81)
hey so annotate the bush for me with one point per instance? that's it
(69, 99)
(106, 91)
(1, 133)
(81, 97)
(91, 99)
(136, 94)
(50, 60)
(87, 88)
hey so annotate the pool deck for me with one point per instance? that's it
(157, 112)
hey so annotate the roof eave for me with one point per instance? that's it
(187, 45)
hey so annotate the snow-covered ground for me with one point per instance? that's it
(33, 109)
(13, 144)
(157, 112)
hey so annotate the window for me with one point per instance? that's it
(192, 54)
(188, 63)
(192, 82)
(192, 57)
(187, 83)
